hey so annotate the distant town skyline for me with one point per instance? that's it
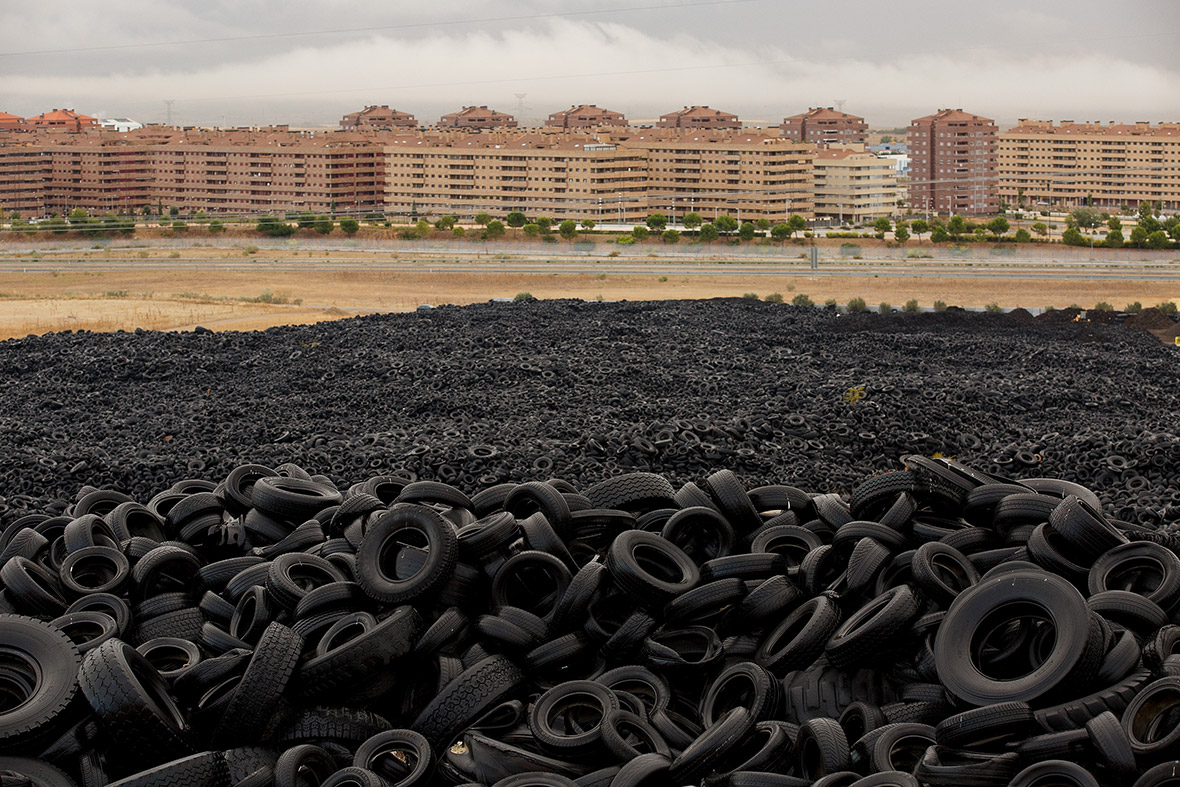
(279, 61)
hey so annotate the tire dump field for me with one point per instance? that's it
(548, 544)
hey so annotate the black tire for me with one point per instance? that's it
(32, 588)
(377, 556)
(796, 642)
(637, 493)
(821, 749)
(824, 691)
(872, 496)
(345, 727)
(1142, 567)
(463, 699)
(340, 666)
(630, 555)
(87, 630)
(33, 648)
(701, 532)
(619, 725)
(131, 520)
(132, 703)
(1084, 527)
(988, 726)
(292, 576)
(300, 764)
(733, 501)
(1059, 772)
(744, 684)
(401, 757)
(262, 686)
(170, 656)
(293, 499)
(873, 630)
(35, 772)
(207, 769)
(711, 746)
(182, 624)
(899, 747)
(353, 776)
(1075, 713)
(1112, 746)
(942, 572)
(571, 740)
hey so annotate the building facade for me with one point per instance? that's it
(825, 126)
(953, 158)
(477, 118)
(697, 117)
(66, 119)
(1042, 165)
(379, 117)
(11, 122)
(853, 185)
(585, 116)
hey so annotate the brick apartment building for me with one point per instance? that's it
(63, 118)
(477, 118)
(698, 117)
(854, 185)
(585, 116)
(953, 163)
(379, 117)
(11, 122)
(825, 126)
(1070, 164)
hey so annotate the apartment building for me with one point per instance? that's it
(854, 185)
(11, 122)
(825, 126)
(697, 117)
(380, 117)
(748, 176)
(585, 116)
(24, 171)
(953, 163)
(477, 118)
(1062, 166)
(63, 118)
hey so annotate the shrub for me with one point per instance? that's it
(910, 306)
(750, 296)
(994, 308)
(802, 299)
(663, 278)
(671, 236)
(457, 232)
(349, 226)
(179, 226)
(216, 227)
(1134, 308)
(523, 296)
(940, 306)
(1167, 307)
(774, 297)
(640, 232)
(857, 305)
(625, 240)
(884, 307)
(1103, 306)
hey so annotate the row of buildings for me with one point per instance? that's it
(815, 164)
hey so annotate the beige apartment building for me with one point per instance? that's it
(853, 185)
(1042, 165)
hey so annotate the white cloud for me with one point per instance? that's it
(565, 61)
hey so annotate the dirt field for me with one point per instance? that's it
(240, 300)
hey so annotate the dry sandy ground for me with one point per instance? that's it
(181, 299)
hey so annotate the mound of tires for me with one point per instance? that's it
(941, 625)
(481, 395)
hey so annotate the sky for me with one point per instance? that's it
(308, 62)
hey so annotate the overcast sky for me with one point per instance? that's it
(764, 59)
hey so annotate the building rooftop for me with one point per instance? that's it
(1110, 129)
(952, 115)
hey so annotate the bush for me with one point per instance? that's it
(1103, 306)
(349, 226)
(640, 232)
(625, 240)
(911, 306)
(523, 296)
(274, 227)
(216, 227)
(324, 225)
(884, 307)
(457, 232)
(774, 297)
(940, 306)
(1167, 307)
(750, 296)
(671, 236)
(1022, 236)
(1133, 308)
(663, 279)
(994, 308)
(179, 226)
(802, 299)
(857, 305)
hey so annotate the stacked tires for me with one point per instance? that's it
(943, 626)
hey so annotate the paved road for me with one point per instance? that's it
(573, 264)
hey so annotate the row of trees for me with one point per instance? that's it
(1149, 232)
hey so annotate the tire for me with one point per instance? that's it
(87, 630)
(942, 572)
(701, 532)
(575, 693)
(744, 684)
(339, 726)
(262, 686)
(182, 624)
(410, 751)
(32, 713)
(988, 726)
(293, 499)
(292, 576)
(874, 629)
(132, 704)
(207, 769)
(733, 501)
(874, 495)
(131, 520)
(636, 493)
(821, 749)
(711, 746)
(36, 773)
(1135, 566)
(376, 558)
(302, 763)
(801, 637)
(478, 688)
(1084, 527)
(899, 747)
(32, 588)
(634, 579)
(824, 691)
(339, 668)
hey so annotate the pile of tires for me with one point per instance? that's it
(941, 626)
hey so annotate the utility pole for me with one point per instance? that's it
(168, 102)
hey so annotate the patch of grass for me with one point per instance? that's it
(663, 278)
(750, 296)
(857, 305)
(910, 306)
(601, 277)
(940, 306)
(774, 297)
(994, 308)
(884, 307)
(143, 255)
(266, 296)
(802, 299)
(115, 294)
(174, 255)
(246, 252)
(198, 296)
(524, 296)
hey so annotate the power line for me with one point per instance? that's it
(373, 28)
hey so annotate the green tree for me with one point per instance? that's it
(495, 229)
(1134, 308)
(640, 232)
(516, 220)
(483, 219)
(1073, 237)
(350, 226)
(938, 234)
(802, 299)
(568, 229)
(940, 306)
(1147, 219)
(1103, 306)
(1022, 236)
(920, 228)
(994, 308)
(691, 221)
(797, 224)
(544, 223)
(901, 234)
(780, 232)
(1114, 239)
(882, 225)
(657, 222)
(956, 227)
(747, 231)
(1138, 236)
(762, 224)
(998, 226)
(531, 230)
(324, 225)
(456, 232)
(445, 223)
(726, 224)
(1040, 228)
(670, 236)
(1157, 240)
(1172, 225)
(304, 220)
(1085, 217)
(708, 233)
(274, 227)
(588, 224)
(1114, 223)
(179, 226)
(774, 297)
(884, 307)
